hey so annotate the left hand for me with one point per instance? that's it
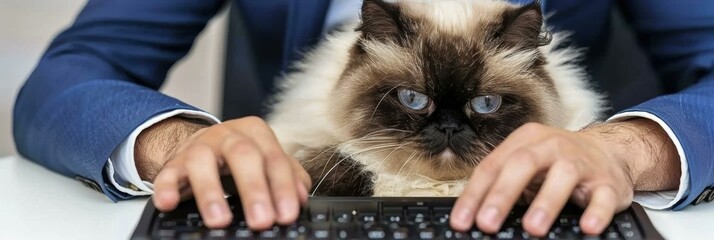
(592, 167)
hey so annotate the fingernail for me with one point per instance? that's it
(592, 222)
(303, 190)
(537, 218)
(489, 215)
(287, 207)
(216, 211)
(260, 212)
(462, 215)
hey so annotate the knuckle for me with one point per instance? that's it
(525, 157)
(218, 129)
(275, 156)
(197, 151)
(531, 128)
(557, 140)
(253, 120)
(239, 147)
(567, 167)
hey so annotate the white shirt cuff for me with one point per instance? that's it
(121, 168)
(664, 199)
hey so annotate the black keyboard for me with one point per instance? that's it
(378, 218)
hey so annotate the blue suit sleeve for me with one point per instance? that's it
(679, 38)
(98, 81)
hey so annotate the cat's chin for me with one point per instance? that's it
(447, 154)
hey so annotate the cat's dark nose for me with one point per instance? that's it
(449, 127)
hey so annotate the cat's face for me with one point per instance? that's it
(431, 94)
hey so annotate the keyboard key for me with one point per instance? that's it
(627, 229)
(167, 224)
(217, 234)
(400, 233)
(393, 214)
(166, 233)
(507, 233)
(441, 218)
(418, 214)
(342, 217)
(345, 231)
(318, 214)
(611, 233)
(418, 209)
(321, 231)
(270, 233)
(367, 217)
(244, 233)
(426, 233)
(451, 234)
(295, 231)
(376, 231)
(190, 236)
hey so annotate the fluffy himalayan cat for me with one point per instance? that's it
(407, 101)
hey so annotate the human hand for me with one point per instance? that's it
(271, 184)
(598, 168)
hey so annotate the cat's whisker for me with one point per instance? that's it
(380, 102)
(405, 163)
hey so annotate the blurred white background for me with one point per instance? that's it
(28, 26)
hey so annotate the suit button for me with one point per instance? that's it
(711, 196)
(89, 183)
(703, 197)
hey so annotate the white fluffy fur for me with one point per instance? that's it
(301, 116)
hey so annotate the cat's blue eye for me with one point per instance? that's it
(413, 100)
(486, 104)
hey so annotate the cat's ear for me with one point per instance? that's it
(522, 27)
(381, 21)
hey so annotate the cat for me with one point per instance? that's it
(408, 100)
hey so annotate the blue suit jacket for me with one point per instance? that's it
(98, 79)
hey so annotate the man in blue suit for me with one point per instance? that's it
(91, 110)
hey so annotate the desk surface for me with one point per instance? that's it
(39, 204)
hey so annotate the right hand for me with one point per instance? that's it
(271, 184)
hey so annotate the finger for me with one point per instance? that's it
(301, 175)
(282, 187)
(167, 185)
(600, 210)
(465, 207)
(280, 176)
(202, 168)
(246, 165)
(559, 183)
(525, 135)
(302, 181)
(517, 173)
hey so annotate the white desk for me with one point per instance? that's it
(38, 204)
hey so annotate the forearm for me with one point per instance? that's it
(648, 152)
(157, 144)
